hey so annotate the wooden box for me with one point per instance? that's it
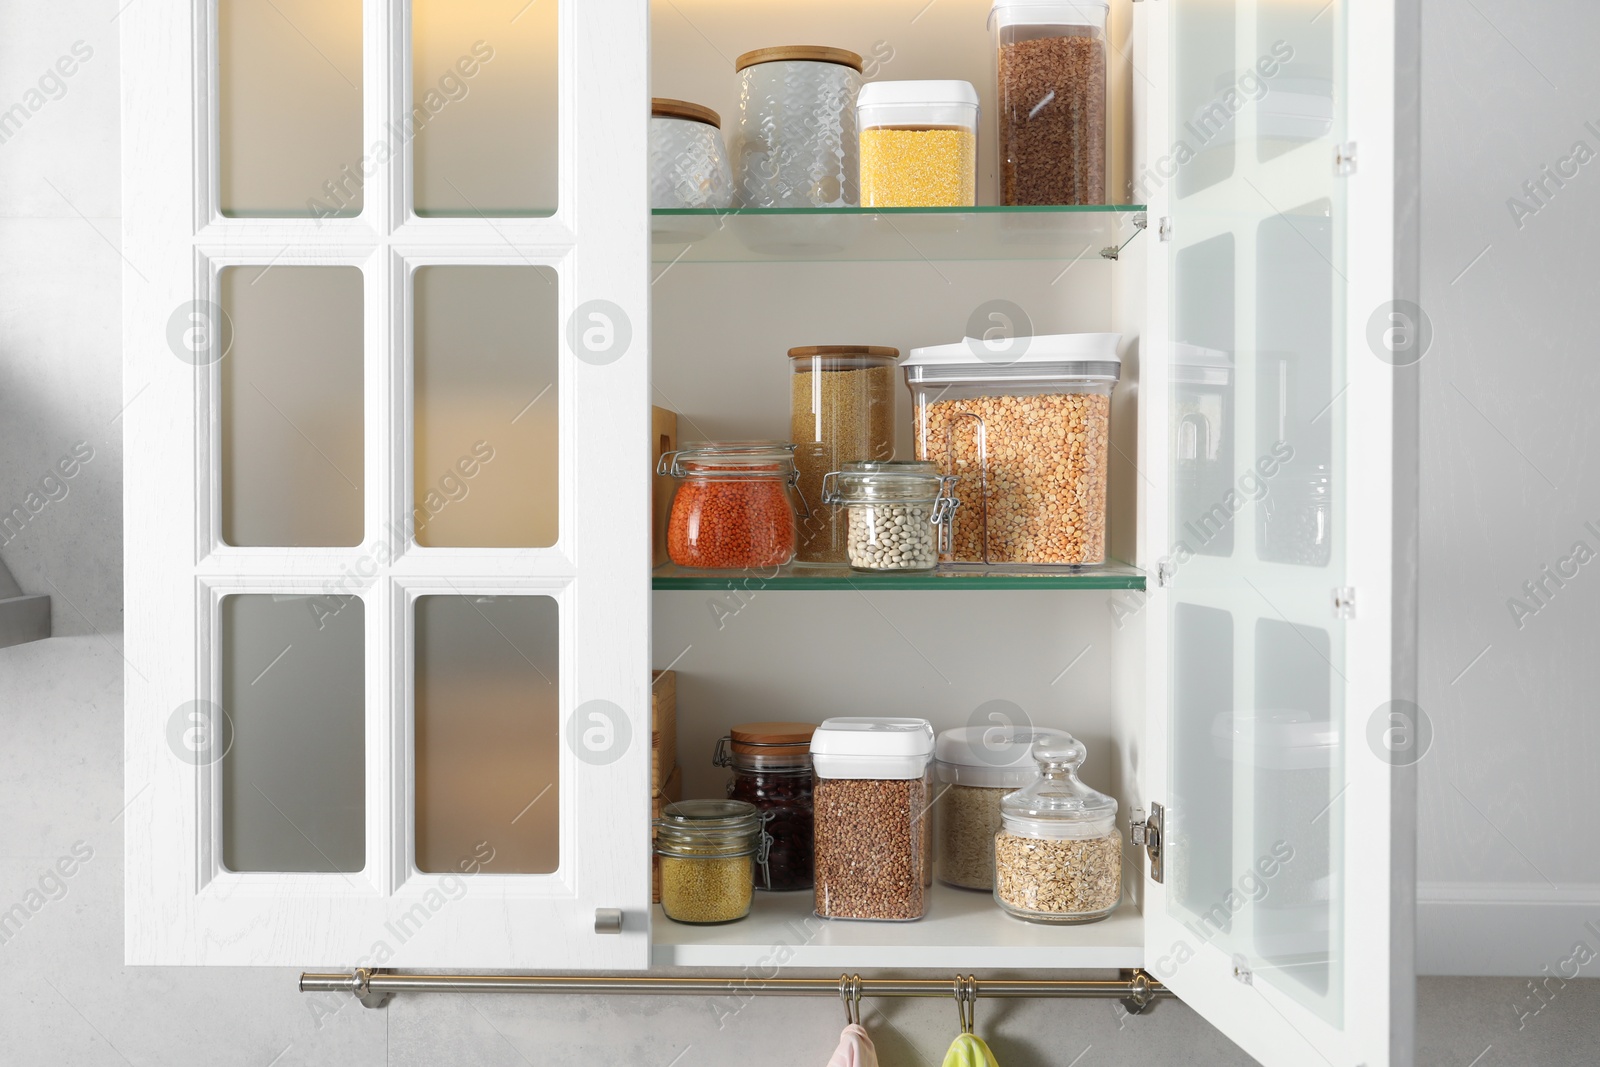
(663, 727)
(670, 790)
(663, 438)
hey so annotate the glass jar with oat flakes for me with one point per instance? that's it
(841, 410)
(1058, 855)
(1026, 429)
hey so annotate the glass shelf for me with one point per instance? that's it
(812, 576)
(1060, 234)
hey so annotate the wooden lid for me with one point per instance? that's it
(661, 107)
(843, 350)
(814, 53)
(773, 738)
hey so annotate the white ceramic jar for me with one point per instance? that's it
(689, 165)
(796, 145)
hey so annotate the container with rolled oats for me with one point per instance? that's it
(1058, 855)
(1024, 424)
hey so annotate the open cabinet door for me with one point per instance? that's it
(387, 496)
(1274, 738)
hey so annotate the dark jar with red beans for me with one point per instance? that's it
(771, 764)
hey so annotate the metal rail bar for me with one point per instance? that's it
(1136, 986)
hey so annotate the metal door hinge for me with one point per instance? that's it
(1241, 970)
(1146, 831)
(1344, 159)
(1344, 602)
(1166, 570)
(608, 920)
(1164, 229)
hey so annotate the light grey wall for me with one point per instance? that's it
(1510, 478)
(1515, 743)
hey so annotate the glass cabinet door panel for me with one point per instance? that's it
(486, 407)
(1260, 458)
(484, 85)
(487, 735)
(290, 411)
(294, 770)
(289, 107)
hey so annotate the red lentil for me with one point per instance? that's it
(731, 523)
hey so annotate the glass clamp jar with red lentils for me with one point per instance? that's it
(771, 764)
(899, 515)
(734, 508)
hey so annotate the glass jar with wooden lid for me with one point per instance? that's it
(689, 165)
(796, 144)
(841, 411)
(771, 764)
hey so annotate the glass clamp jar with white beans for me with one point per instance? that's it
(899, 515)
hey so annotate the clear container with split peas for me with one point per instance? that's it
(976, 767)
(919, 144)
(713, 855)
(873, 836)
(1051, 74)
(1058, 855)
(1024, 425)
(897, 515)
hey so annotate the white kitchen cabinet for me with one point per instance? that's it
(391, 607)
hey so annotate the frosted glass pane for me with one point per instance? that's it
(486, 407)
(289, 107)
(484, 85)
(294, 777)
(1298, 772)
(291, 407)
(1298, 105)
(1206, 96)
(1200, 819)
(1203, 387)
(1294, 385)
(487, 733)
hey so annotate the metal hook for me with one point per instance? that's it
(982, 441)
(850, 993)
(967, 1001)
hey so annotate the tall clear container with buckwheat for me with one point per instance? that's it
(873, 828)
(1025, 426)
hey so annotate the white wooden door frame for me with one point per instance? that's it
(1268, 1024)
(182, 907)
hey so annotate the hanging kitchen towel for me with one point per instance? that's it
(968, 1050)
(855, 1049)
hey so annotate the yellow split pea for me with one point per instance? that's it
(918, 166)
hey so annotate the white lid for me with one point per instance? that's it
(945, 93)
(872, 747)
(1091, 356)
(1048, 13)
(1043, 348)
(991, 757)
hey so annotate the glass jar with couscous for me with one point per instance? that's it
(713, 855)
